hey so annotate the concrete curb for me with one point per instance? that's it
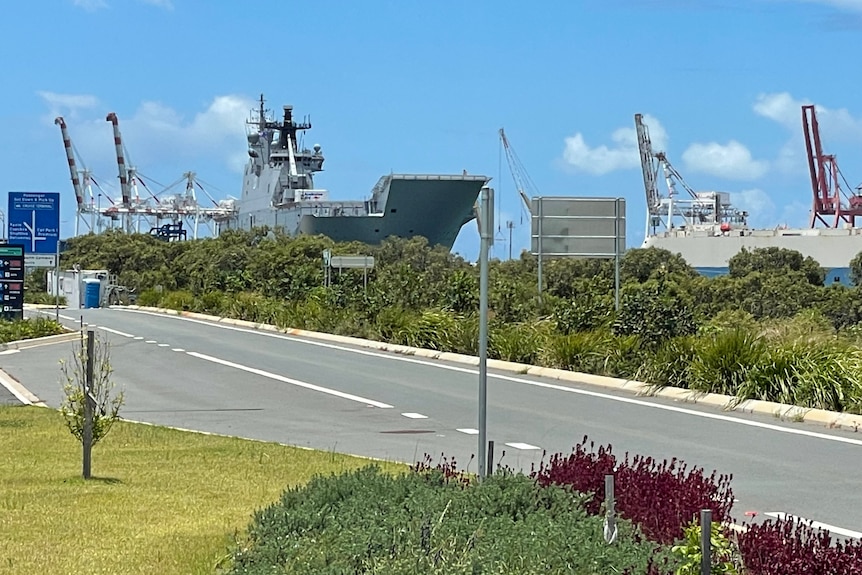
(39, 341)
(21, 393)
(784, 412)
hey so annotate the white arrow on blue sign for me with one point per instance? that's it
(34, 221)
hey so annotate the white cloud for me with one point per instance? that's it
(835, 123)
(90, 5)
(166, 4)
(851, 5)
(757, 203)
(69, 104)
(732, 161)
(622, 155)
(93, 5)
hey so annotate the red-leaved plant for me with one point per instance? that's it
(785, 546)
(661, 498)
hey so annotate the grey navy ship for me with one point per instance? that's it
(278, 191)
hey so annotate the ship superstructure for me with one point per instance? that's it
(707, 230)
(278, 190)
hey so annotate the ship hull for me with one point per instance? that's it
(432, 206)
(833, 249)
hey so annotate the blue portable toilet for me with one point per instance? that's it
(92, 291)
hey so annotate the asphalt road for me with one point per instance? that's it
(331, 396)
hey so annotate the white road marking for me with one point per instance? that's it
(291, 381)
(468, 430)
(151, 341)
(9, 351)
(412, 415)
(138, 337)
(524, 446)
(556, 387)
(115, 331)
(178, 349)
(817, 524)
(164, 344)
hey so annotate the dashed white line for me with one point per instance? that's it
(468, 430)
(138, 337)
(291, 381)
(178, 349)
(533, 383)
(164, 344)
(114, 331)
(817, 524)
(524, 446)
(412, 415)
(151, 341)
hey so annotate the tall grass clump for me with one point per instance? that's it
(723, 361)
(518, 342)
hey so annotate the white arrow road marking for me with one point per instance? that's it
(291, 381)
(817, 524)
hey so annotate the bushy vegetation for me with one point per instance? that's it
(768, 330)
(440, 520)
(431, 521)
(28, 329)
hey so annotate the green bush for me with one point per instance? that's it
(419, 523)
(29, 329)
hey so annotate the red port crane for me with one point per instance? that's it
(825, 183)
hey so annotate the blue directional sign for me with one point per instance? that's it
(34, 221)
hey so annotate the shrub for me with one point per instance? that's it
(779, 547)
(660, 498)
(29, 329)
(669, 364)
(367, 522)
(518, 342)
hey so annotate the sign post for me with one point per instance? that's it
(34, 222)
(581, 228)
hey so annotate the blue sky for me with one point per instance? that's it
(424, 87)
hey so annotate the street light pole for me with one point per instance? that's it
(486, 234)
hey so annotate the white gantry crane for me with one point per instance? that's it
(710, 211)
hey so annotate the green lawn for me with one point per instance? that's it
(161, 501)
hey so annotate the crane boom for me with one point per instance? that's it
(519, 174)
(70, 156)
(125, 188)
(825, 178)
(648, 166)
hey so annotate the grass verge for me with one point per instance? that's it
(162, 501)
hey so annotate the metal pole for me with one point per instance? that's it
(57, 283)
(88, 407)
(486, 212)
(539, 244)
(490, 467)
(610, 510)
(617, 253)
(705, 541)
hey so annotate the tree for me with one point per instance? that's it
(775, 261)
(104, 402)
